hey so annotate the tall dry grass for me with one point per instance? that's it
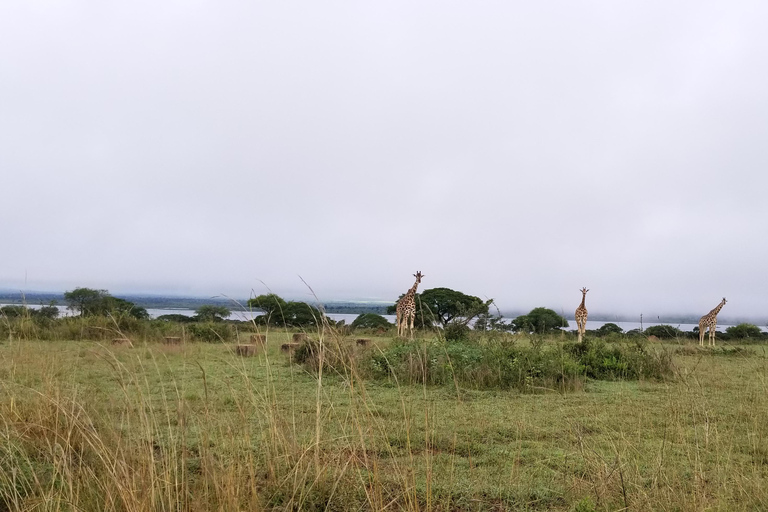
(91, 426)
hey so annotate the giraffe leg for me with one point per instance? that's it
(701, 335)
(413, 317)
(712, 330)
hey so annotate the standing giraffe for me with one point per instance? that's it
(709, 321)
(406, 308)
(581, 314)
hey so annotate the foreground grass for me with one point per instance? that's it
(94, 427)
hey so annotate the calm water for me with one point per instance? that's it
(349, 318)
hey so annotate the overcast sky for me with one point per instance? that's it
(510, 150)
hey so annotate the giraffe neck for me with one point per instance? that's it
(715, 311)
(408, 297)
(583, 298)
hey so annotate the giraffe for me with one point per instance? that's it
(709, 321)
(406, 308)
(581, 314)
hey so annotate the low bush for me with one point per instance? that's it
(211, 332)
(696, 350)
(338, 357)
(509, 366)
(664, 331)
(748, 332)
(614, 361)
(456, 332)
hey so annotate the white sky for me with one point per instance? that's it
(514, 150)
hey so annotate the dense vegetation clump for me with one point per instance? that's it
(539, 321)
(745, 332)
(664, 331)
(90, 302)
(504, 364)
(281, 313)
(444, 306)
(370, 321)
(211, 332)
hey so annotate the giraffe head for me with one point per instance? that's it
(584, 290)
(418, 275)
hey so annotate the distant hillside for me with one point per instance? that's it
(161, 302)
(7, 297)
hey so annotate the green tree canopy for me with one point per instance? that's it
(50, 311)
(43, 313)
(744, 331)
(85, 301)
(115, 305)
(13, 311)
(270, 304)
(490, 322)
(176, 317)
(370, 321)
(90, 302)
(663, 331)
(607, 329)
(444, 305)
(284, 313)
(208, 313)
(539, 320)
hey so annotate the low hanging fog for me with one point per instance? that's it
(511, 151)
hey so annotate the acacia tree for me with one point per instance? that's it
(271, 304)
(450, 306)
(446, 306)
(284, 313)
(370, 321)
(608, 328)
(85, 301)
(210, 313)
(540, 321)
(490, 322)
(90, 302)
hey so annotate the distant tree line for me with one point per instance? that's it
(45, 312)
(452, 311)
(90, 302)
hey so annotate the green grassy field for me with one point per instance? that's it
(91, 426)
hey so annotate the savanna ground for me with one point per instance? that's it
(91, 426)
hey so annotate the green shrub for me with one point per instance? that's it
(664, 331)
(338, 357)
(211, 332)
(176, 317)
(745, 331)
(608, 329)
(614, 362)
(505, 365)
(456, 332)
(696, 350)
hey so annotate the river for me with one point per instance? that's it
(349, 318)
